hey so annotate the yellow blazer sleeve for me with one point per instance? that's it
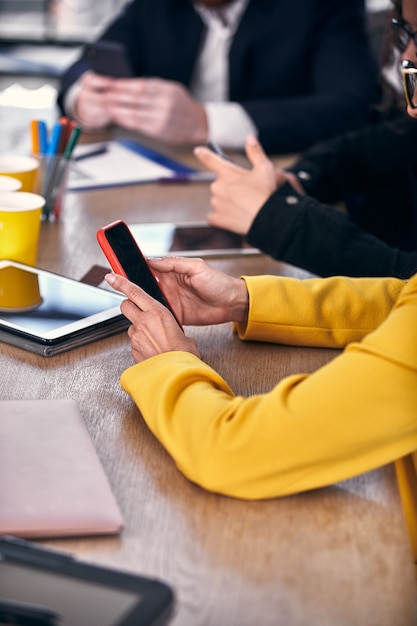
(316, 312)
(352, 415)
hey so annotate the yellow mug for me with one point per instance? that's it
(20, 220)
(24, 168)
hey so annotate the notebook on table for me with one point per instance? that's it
(52, 483)
(126, 162)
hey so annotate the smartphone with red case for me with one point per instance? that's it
(126, 259)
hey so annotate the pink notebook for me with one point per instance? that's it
(52, 483)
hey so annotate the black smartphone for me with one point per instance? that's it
(126, 258)
(109, 58)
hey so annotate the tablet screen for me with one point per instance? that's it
(188, 239)
(50, 306)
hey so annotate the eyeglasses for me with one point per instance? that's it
(409, 74)
(403, 34)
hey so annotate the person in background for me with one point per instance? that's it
(288, 214)
(356, 413)
(217, 70)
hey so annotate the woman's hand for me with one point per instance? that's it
(197, 293)
(200, 294)
(154, 330)
(238, 194)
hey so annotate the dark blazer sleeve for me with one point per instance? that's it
(306, 231)
(373, 171)
(323, 240)
(377, 156)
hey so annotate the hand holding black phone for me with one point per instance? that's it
(109, 58)
(126, 259)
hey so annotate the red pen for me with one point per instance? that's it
(65, 133)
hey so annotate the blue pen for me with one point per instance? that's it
(43, 141)
(55, 137)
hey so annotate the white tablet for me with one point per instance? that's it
(48, 313)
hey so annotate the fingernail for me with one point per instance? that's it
(110, 278)
(251, 140)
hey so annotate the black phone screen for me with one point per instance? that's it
(108, 58)
(132, 261)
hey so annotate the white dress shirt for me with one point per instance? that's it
(228, 122)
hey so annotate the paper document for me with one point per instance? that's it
(125, 162)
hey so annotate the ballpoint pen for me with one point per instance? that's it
(188, 177)
(65, 133)
(93, 153)
(217, 150)
(43, 139)
(197, 176)
(53, 147)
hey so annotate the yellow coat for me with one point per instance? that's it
(354, 414)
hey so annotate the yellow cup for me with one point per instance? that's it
(23, 168)
(7, 183)
(20, 220)
(19, 290)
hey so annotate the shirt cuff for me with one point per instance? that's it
(228, 124)
(69, 108)
(70, 98)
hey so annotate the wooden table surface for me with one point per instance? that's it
(333, 557)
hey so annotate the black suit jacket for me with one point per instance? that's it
(377, 164)
(302, 69)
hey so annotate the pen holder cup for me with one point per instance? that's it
(51, 183)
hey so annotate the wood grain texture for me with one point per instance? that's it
(333, 557)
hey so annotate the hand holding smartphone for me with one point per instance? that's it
(126, 259)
